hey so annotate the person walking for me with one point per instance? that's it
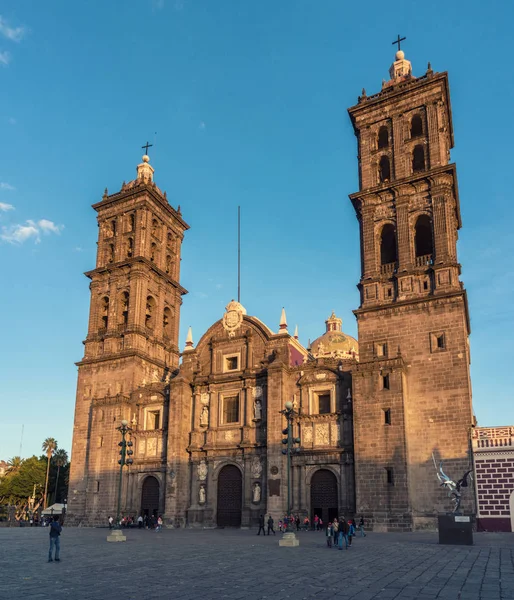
(159, 524)
(329, 533)
(111, 521)
(261, 525)
(316, 522)
(270, 525)
(140, 522)
(351, 531)
(335, 531)
(297, 523)
(343, 534)
(55, 539)
(361, 527)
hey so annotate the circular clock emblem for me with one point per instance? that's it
(274, 470)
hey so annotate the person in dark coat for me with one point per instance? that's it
(261, 525)
(270, 525)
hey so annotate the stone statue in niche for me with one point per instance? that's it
(204, 417)
(256, 493)
(257, 410)
(256, 467)
(202, 470)
(201, 495)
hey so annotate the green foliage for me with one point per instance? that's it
(17, 486)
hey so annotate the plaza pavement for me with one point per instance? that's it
(232, 564)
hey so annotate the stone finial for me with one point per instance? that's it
(106, 193)
(401, 67)
(145, 170)
(334, 323)
(296, 332)
(189, 340)
(283, 322)
(429, 69)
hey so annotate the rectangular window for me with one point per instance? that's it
(385, 382)
(231, 409)
(381, 349)
(324, 404)
(390, 476)
(438, 341)
(97, 486)
(100, 441)
(387, 416)
(153, 420)
(231, 363)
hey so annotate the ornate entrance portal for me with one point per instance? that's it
(150, 497)
(324, 496)
(230, 497)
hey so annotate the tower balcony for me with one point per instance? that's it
(388, 268)
(424, 261)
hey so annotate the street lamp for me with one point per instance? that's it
(289, 442)
(124, 444)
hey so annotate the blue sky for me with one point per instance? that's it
(245, 103)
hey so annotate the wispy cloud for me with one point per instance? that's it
(11, 121)
(5, 58)
(4, 207)
(6, 186)
(201, 125)
(157, 5)
(17, 234)
(15, 34)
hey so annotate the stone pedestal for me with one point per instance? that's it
(116, 535)
(289, 539)
(455, 529)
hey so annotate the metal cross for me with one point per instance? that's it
(398, 41)
(150, 145)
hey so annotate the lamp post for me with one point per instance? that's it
(289, 442)
(124, 444)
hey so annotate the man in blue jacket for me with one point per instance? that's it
(55, 540)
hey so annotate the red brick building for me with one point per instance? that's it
(207, 430)
(493, 451)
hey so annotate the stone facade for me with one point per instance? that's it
(208, 432)
(493, 451)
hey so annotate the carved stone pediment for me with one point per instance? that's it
(317, 376)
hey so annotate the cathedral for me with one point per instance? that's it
(206, 424)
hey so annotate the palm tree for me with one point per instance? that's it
(49, 446)
(14, 464)
(61, 460)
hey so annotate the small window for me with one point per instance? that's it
(387, 416)
(389, 292)
(383, 137)
(416, 126)
(437, 342)
(425, 285)
(324, 404)
(153, 420)
(418, 159)
(381, 349)
(388, 252)
(111, 253)
(132, 222)
(231, 409)
(385, 382)
(100, 441)
(384, 169)
(130, 247)
(153, 251)
(390, 476)
(97, 486)
(231, 363)
(113, 227)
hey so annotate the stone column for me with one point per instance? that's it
(369, 262)
(403, 234)
(433, 153)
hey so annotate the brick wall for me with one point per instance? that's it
(493, 449)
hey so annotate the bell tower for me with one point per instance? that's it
(412, 392)
(132, 338)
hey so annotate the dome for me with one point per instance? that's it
(334, 343)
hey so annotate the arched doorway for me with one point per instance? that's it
(324, 495)
(230, 497)
(150, 497)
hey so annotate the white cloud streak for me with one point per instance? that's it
(18, 234)
(4, 207)
(14, 34)
(6, 186)
(5, 58)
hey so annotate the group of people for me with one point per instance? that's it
(337, 532)
(146, 522)
(340, 531)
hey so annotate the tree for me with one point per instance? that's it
(49, 446)
(61, 460)
(13, 465)
(18, 488)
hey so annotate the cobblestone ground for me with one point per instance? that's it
(190, 564)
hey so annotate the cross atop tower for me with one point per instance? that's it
(399, 41)
(147, 145)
